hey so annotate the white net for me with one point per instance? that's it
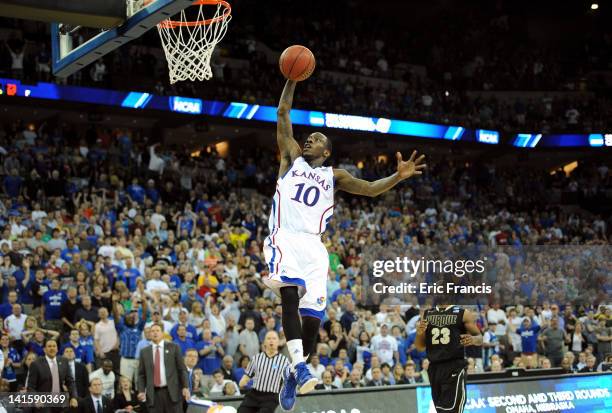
(190, 39)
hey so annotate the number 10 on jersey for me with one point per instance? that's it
(307, 197)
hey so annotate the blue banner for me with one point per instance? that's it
(585, 394)
(594, 140)
(246, 111)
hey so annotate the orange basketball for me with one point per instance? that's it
(297, 63)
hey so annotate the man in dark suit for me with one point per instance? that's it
(162, 375)
(328, 382)
(79, 372)
(96, 402)
(52, 374)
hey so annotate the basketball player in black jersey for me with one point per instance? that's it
(444, 332)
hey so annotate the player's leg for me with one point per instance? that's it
(450, 388)
(310, 331)
(287, 258)
(463, 391)
(434, 383)
(292, 328)
(298, 376)
(285, 280)
(312, 306)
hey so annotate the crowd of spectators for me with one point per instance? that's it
(483, 48)
(105, 233)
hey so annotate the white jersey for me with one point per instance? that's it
(304, 199)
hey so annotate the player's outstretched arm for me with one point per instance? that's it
(289, 148)
(474, 336)
(405, 169)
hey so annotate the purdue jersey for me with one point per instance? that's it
(442, 337)
(304, 199)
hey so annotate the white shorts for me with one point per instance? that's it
(298, 259)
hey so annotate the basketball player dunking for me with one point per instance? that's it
(297, 259)
(444, 332)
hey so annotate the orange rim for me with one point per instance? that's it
(172, 24)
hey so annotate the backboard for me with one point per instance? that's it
(139, 16)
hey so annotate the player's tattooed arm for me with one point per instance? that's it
(473, 336)
(419, 341)
(405, 169)
(288, 146)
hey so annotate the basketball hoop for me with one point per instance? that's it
(190, 40)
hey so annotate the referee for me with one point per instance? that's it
(265, 369)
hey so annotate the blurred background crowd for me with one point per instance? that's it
(104, 234)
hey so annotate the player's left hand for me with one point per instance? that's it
(466, 340)
(421, 327)
(411, 167)
(74, 403)
(186, 394)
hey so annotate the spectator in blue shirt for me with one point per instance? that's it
(211, 352)
(349, 316)
(417, 356)
(490, 344)
(70, 249)
(402, 348)
(129, 275)
(36, 343)
(529, 332)
(13, 184)
(270, 325)
(526, 286)
(182, 340)
(239, 371)
(226, 284)
(130, 328)
(52, 305)
(175, 282)
(6, 309)
(343, 290)
(11, 285)
(343, 357)
(152, 192)
(145, 341)
(192, 332)
(82, 353)
(187, 220)
(12, 362)
(136, 192)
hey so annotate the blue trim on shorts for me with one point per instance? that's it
(295, 281)
(271, 263)
(309, 312)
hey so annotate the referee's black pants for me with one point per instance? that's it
(259, 401)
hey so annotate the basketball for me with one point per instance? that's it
(297, 63)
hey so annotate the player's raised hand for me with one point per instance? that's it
(421, 327)
(411, 167)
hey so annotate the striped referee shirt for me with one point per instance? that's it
(266, 372)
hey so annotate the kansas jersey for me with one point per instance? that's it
(304, 199)
(444, 328)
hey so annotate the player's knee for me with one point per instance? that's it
(290, 299)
